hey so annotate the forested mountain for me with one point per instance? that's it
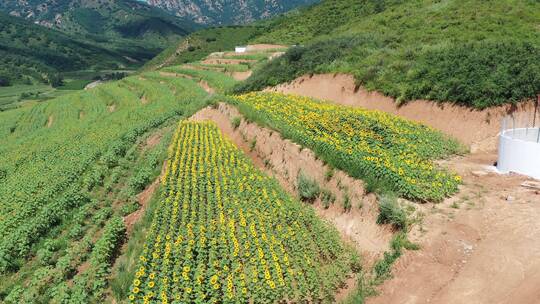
(226, 11)
(44, 38)
(112, 18)
(30, 52)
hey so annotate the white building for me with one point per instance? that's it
(240, 49)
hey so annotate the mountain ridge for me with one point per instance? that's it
(223, 12)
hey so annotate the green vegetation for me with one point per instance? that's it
(383, 268)
(327, 198)
(474, 53)
(235, 122)
(223, 67)
(391, 213)
(255, 56)
(71, 162)
(31, 53)
(308, 189)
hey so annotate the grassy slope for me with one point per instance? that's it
(478, 53)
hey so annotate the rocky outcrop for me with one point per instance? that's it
(226, 11)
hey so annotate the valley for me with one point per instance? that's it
(276, 172)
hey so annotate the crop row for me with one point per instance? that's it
(386, 151)
(225, 233)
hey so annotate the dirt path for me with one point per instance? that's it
(241, 76)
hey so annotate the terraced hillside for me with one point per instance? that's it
(261, 197)
(79, 163)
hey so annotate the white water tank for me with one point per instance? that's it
(519, 151)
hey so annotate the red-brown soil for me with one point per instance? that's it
(203, 84)
(481, 246)
(264, 47)
(475, 128)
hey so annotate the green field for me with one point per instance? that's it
(217, 80)
(19, 95)
(63, 162)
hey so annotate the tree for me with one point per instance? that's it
(4, 81)
(56, 80)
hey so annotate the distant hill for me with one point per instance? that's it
(226, 12)
(477, 53)
(112, 18)
(30, 52)
(43, 38)
(124, 25)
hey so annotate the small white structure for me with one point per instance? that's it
(519, 151)
(240, 49)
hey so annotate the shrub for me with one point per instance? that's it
(236, 122)
(140, 179)
(327, 198)
(252, 145)
(130, 207)
(329, 174)
(308, 189)
(346, 202)
(391, 213)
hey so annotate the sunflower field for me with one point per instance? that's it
(380, 148)
(225, 233)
